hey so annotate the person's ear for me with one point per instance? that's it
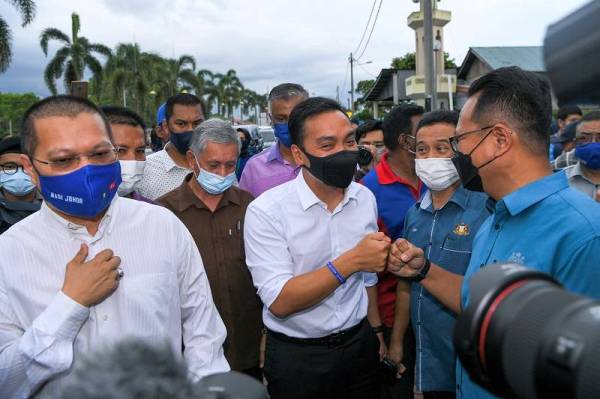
(30, 170)
(191, 160)
(299, 157)
(504, 138)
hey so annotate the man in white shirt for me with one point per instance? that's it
(166, 169)
(117, 282)
(312, 247)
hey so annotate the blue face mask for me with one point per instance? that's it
(181, 141)
(214, 184)
(18, 183)
(589, 155)
(283, 134)
(84, 192)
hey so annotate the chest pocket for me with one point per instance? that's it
(455, 253)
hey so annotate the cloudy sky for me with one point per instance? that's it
(271, 41)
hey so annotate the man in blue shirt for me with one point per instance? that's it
(501, 145)
(443, 223)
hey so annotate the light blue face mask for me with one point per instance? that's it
(18, 183)
(215, 184)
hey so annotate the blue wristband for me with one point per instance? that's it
(337, 274)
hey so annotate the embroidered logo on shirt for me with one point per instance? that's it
(517, 257)
(462, 229)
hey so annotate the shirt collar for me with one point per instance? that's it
(185, 197)
(516, 202)
(308, 198)
(79, 231)
(274, 154)
(575, 170)
(460, 197)
(385, 175)
(166, 161)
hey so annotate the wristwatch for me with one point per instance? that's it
(423, 272)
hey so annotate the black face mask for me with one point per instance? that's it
(469, 173)
(335, 170)
(181, 141)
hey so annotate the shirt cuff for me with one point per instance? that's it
(63, 317)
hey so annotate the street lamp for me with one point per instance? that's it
(352, 61)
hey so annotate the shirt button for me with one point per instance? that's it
(105, 317)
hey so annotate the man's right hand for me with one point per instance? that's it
(370, 254)
(405, 260)
(89, 283)
(395, 354)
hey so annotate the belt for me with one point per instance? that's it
(334, 339)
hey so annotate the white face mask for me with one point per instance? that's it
(131, 174)
(436, 173)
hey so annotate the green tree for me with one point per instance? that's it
(177, 75)
(27, 10)
(364, 86)
(12, 109)
(71, 60)
(408, 61)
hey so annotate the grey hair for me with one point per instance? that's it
(132, 369)
(214, 130)
(285, 91)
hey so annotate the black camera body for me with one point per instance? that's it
(523, 336)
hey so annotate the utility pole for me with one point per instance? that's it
(430, 78)
(337, 94)
(351, 83)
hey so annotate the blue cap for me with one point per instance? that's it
(161, 113)
(568, 134)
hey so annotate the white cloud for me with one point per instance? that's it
(270, 41)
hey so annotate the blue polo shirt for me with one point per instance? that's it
(546, 226)
(394, 196)
(446, 236)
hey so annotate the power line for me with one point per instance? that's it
(364, 69)
(366, 27)
(371, 33)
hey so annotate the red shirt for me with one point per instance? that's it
(394, 196)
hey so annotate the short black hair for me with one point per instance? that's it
(117, 115)
(306, 109)
(366, 127)
(439, 116)
(62, 105)
(592, 116)
(285, 91)
(566, 110)
(398, 121)
(11, 145)
(185, 99)
(522, 98)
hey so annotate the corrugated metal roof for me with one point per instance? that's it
(529, 58)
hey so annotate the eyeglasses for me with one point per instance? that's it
(101, 157)
(588, 137)
(458, 137)
(10, 168)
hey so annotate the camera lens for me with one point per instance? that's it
(364, 156)
(523, 336)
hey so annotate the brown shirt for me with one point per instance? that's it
(219, 237)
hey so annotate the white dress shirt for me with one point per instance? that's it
(161, 175)
(163, 296)
(289, 232)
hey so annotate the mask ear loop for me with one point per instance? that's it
(404, 147)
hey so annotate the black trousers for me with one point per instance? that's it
(404, 387)
(345, 371)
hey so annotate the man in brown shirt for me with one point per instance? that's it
(213, 209)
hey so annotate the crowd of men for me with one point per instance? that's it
(330, 265)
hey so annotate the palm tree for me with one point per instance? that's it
(130, 76)
(27, 10)
(71, 60)
(177, 75)
(228, 91)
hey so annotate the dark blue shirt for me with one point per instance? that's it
(446, 236)
(546, 226)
